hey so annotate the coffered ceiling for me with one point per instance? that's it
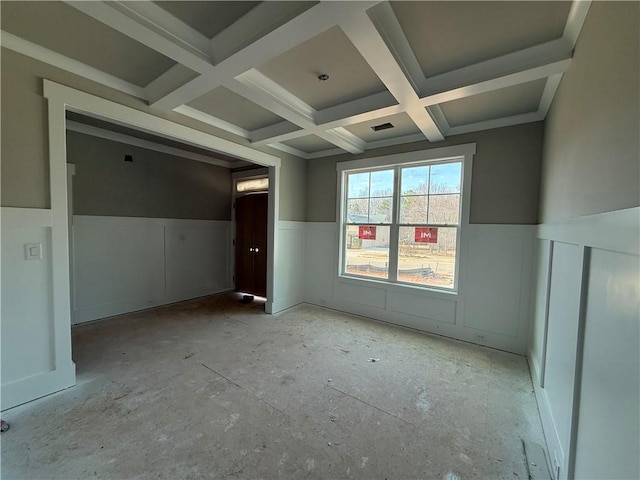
(257, 69)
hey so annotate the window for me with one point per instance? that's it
(252, 185)
(401, 223)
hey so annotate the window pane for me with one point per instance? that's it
(413, 209)
(253, 185)
(367, 257)
(415, 180)
(445, 178)
(444, 208)
(358, 210)
(425, 263)
(358, 185)
(381, 183)
(380, 210)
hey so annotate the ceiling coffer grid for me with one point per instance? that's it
(266, 36)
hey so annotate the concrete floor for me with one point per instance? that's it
(212, 388)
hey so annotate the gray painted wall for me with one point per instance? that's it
(591, 159)
(505, 179)
(25, 162)
(153, 185)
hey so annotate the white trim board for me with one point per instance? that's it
(618, 231)
(25, 217)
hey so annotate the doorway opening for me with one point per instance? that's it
(249, 214)
(63, 99)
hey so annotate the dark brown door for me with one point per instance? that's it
(251, 244)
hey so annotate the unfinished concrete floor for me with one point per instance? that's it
(212, 388)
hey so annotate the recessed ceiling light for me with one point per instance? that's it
(383, 126)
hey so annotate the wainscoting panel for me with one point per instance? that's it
(116, 263)
(30, 365)
(289, 265)
(497, 261)
(585, 344)
(607, 432)
(193, 257)
(420, 305)
(363, 294)
(123, 264)
(564, 308)
(491, 307)
(320, 269)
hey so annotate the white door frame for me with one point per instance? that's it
(62, 98)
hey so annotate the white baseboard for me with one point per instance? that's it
(30, 388)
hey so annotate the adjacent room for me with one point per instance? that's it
(346, 239)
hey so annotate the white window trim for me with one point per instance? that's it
(464, 152)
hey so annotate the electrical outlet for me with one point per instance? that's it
(33, 251)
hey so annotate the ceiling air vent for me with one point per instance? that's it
(384, 126)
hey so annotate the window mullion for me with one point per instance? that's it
(394, 230)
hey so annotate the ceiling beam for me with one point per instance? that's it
(515, 68)
(252, 26)
(211, 120)
(151, 14)
(575, 20)
(344, 139)
(542, 61)
(358, 110)
(172, 78)
(130, 23)
(369, 42)
(308, 24)
(261, 90)
(387, 24)
(497, 83)
(278, 132)
(291, 151)
(42, 54)
(374, 106)
(497, 123)
(548, 93)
